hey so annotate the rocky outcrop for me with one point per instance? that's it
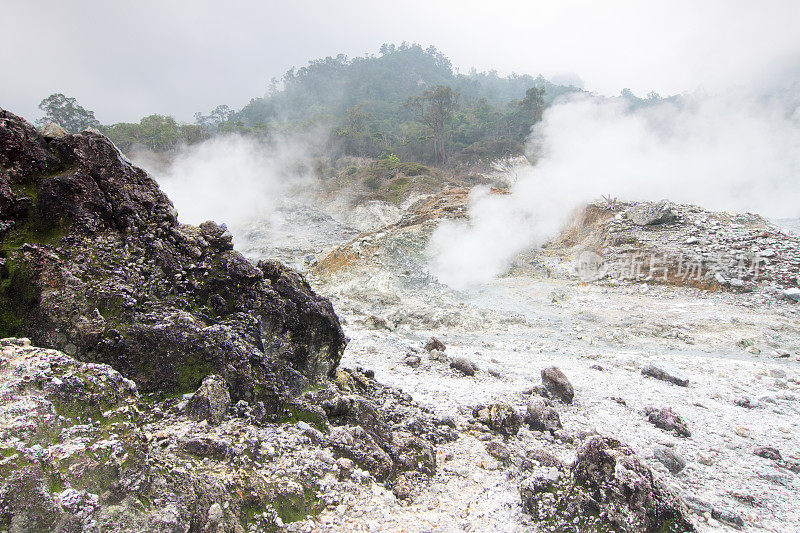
(651, 214)
(606, 488)
(680, 244)
(81, 450)
(94, 262)
(610, 475)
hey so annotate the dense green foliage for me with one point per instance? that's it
(67, 113)
(155, 132)
(408, 101)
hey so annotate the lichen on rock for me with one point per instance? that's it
(94, 262)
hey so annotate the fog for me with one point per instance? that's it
(159, 57)
(738, 152)
(232, 179)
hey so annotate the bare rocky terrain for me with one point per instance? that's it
(637, 373)
(730, 336)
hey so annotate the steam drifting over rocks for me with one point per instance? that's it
(252, 415)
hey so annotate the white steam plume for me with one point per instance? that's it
(723, 153)
(232, 179)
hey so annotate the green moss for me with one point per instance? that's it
(18, 298)
(294, 413)
(294, 508)
(249, 510)
(55, 484)
(413, 169)
(191, 373)
(312, 387)
(7, 452)
(671, 525)
(26, 190)
(159, 397)
(14, 465)
(397, 188)
(29, 232)
(30, 228)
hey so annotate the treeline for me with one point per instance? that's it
(407, 101)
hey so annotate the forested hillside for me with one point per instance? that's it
(390, 102)
(407, 101)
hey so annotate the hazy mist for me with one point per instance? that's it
(232, 179)
(128, 60)
(737, 152)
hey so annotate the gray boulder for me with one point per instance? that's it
(668, 420)
(650, 214)
(792, 294)
(53, 131)
(669, 458)
(666, 372)
(464, 365)
(210, 402)
(541, 416)
(499, 417)
(557, 384)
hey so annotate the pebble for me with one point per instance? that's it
(412, 360)
(767, 452)
(705, 459)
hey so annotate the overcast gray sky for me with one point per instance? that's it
(128, 59)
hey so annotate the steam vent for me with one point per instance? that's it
(391, 291)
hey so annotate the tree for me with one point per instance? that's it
(355, 121)
(159, 132)
(529, 112)
(218, 115)
(435, 108)
(67, 113)
(533, 103)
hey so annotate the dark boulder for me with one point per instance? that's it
(464, 365)
(434, 344)
(541, 416)
(93, 262)
(557, 384)
(668, 420)
(768, 452)
(665, 372)
(210, 402)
